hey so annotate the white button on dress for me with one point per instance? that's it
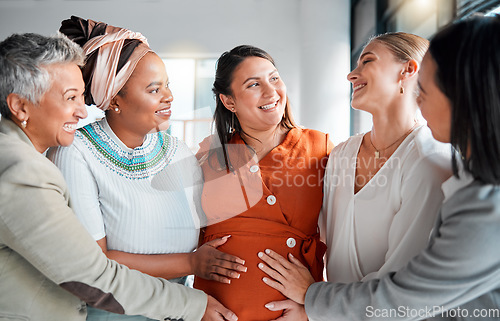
(254, 168)
(271, 200)
(291, 242)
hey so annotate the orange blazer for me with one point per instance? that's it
(274, 203)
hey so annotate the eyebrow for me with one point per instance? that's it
(366, 53)
(154, 83)
(254, 78)
(69, 89)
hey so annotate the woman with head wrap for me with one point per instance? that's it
(48, 261)
(134, 187)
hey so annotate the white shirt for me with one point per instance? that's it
(144, 200)
(380, 228)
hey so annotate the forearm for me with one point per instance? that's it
(460, 265)
(51, 239)
(167, 266)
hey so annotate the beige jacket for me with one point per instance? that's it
(45, 254)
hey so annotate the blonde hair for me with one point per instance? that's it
(404, 46)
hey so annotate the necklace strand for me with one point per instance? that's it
(377, 151)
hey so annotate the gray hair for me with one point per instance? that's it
(23, 58)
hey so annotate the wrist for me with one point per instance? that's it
(191, 262)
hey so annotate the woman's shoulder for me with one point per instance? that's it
(349, 146)
(21, 164)
(311, 137)
(473, 196)
(426, 144)
(312, 134)
(205, 145)
(427, 151)
(180, 147)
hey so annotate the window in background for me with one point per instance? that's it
(466, 8)
(372, 17)
(191, 83)
(494, 11)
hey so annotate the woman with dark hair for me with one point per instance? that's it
(457, 277)
(263, 179)
(133, 186)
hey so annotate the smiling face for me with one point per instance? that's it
(53, 121)
(258, 95)
(144, 103)
(376, 81)
(434, 105)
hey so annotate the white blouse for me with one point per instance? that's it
(381, 227)
(144, 200)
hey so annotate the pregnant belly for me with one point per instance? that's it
(247, 295)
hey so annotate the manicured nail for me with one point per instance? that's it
(261, 266)
(269, 305)
(260, 254)
(268, 251)
(265, 280)
(291, 255)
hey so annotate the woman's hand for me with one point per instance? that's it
(291, 310)
(217, 312)
(209, 263)
(291, 278)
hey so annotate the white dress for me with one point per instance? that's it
(145, 200)
(381, 227)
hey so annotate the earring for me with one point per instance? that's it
(117, 109)
(24, 123)
(232, 122)
(401, 90)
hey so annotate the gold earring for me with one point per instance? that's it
(401, 90)
(24, 123)
(232, 122)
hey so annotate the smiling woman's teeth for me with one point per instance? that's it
(163, 111)
(359, 86)
(266, 107)
(69, 127)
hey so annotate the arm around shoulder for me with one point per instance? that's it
(459, 266)
(37, 223)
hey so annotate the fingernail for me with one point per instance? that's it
(261, 265)
(228, 281)
(242, 268)
(291, 255)
(264, 279)
(260, 254)
(268, 251)
(269, 305)
(237, 275)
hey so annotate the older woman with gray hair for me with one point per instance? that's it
(48, 261)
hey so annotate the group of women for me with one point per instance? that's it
(375, 211)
